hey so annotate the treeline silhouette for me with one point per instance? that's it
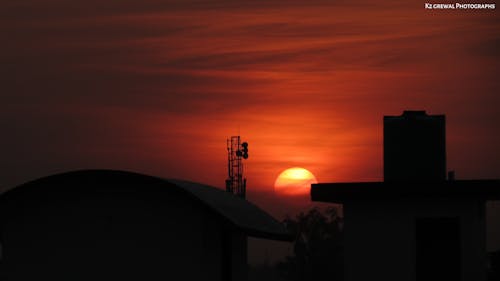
(494, 266)
(317, 250)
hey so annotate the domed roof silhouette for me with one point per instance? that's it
(110, 225)
(67, 186)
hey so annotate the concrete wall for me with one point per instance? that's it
(239, 269)
(380, 237)
(224, 250)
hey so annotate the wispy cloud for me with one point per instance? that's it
(158, 85)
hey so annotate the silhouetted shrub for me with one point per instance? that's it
(494, 268)
(318, 246)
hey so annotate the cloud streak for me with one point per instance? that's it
(157, 86)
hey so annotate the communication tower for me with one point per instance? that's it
(236, 152)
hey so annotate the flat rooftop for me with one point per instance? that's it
(407, 190)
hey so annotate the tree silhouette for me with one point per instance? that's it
(318, 246)
(494, 270)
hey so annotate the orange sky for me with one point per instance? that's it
(157, 86)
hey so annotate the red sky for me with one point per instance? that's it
(157, 86)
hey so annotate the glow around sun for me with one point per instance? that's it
(294, 181)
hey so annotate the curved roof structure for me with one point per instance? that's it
(236, 211)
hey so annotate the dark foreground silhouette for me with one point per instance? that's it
(115, 225)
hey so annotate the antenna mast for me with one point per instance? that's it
(236, 151)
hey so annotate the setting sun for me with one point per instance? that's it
(294, 181)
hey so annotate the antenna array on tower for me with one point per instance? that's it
(236, 151)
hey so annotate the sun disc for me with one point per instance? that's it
(294, 181)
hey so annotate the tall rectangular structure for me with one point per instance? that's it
(414, 147)
(415, 225)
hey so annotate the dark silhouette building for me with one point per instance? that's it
(415, 225)
(116, 225)
(414, 147)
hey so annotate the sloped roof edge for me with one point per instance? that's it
(240, 212)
